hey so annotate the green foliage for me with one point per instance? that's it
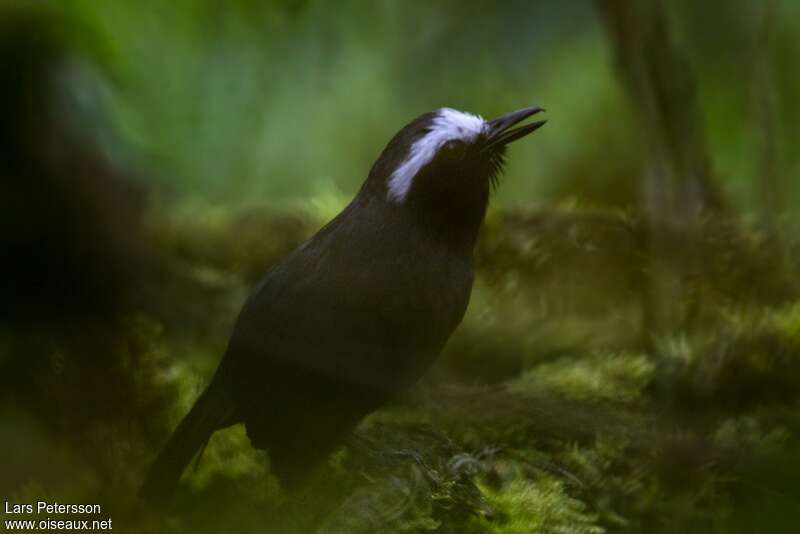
(597, 377)
(538, 507)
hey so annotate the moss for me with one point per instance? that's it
(580, 430)
(230, 456)
(541, 506)
(786, 323)
(616, 377)
(752, 357)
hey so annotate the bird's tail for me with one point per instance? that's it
(212, 411)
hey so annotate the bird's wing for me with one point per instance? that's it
(347, 307)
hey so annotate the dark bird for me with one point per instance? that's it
(359, 311)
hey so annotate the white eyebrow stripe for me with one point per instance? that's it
(448, 124)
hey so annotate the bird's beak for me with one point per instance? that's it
(500, 134)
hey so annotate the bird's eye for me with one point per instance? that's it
(451, 145)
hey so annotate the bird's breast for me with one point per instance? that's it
(373, 309)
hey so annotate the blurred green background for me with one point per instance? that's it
(277, 101)
(630, 358)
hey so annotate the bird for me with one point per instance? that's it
(357, 313)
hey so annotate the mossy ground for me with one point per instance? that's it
(551, 410)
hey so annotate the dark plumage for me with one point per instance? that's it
(359, 311)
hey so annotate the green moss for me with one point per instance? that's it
(230, 456)
(786, 323)
(615, 377)
(541, 506)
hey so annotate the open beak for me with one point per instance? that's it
(500, 132)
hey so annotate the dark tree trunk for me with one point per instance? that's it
(678, 190)
(765, 114)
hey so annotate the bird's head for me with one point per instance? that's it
(443, 164)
